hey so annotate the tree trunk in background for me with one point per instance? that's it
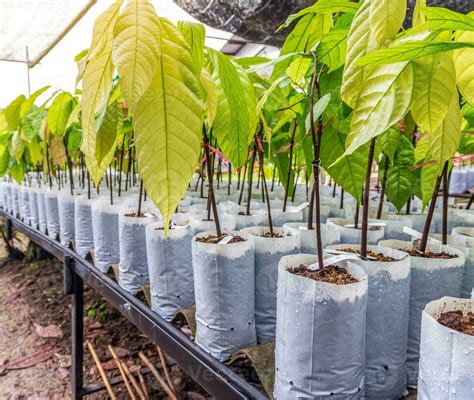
(257, 20)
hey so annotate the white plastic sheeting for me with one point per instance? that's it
(36, 25)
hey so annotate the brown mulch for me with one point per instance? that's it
(213, 239)
(458, 321)
(372, 255)
(330, 274)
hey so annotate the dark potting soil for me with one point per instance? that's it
(214, 239)
(136, 215)
(429, 254)
(458, 321)
(330, 274)
(269, 235)
(372, 255)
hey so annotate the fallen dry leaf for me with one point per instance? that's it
(50, 331)
(32, 360)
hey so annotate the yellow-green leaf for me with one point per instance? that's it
(408, 51)
(308, 31)
(211, 98)
(81, 61)
(464, 64)
(435, 85)
(357, 46)
(422, 148)
(12, 112)
(34, 149)
(97, 79)
(333, 47)
(136, 48)
(106, 142)
(232, 122)
(446, 19)
(4, 159)
(59, 112)
(27, 104)
(168, 123)
(384, 100)
(18, 145)
(429, 174)
(386, 18)
(298, 68)
(445, 140)
(195, 34)
(418, 14)
(17, 171)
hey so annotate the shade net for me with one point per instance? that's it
(29, 28)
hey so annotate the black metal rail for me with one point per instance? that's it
(219, 380)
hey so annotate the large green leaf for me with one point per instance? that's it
(12, 112)
(464, 64)
(410, 51)
(17, 171)
(390, 141)
(195, 35)
(281, 159)
(308, 31)
(135, 48)
(349, 172)
(466, 145)
(422, 148)
(35, 150)
(443, 18)
(429, 174)
(28, 103)
(106, 142)
(445, 140)
(323, 7)
(383, 101)
(18, 145)
(357, 46)
(401, 180)
(97, 79)
(386, 18)
(435, 86)
(168, 123)
(232, 121)
(4, 159)
(298, 68)
(211, 96)
(59, 112)
(31, 122)
(318, 110)
(332, 48)
(418, 13)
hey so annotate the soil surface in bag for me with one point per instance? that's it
(330, 274)
(428, 254)
(372, 255)
(141, 215)
(370, 228)
(458, 321)
(214, 239)
(275, 235)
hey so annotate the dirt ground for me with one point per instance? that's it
(35, 339)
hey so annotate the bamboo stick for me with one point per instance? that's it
(160, 380)
(101, 370)
(122, 372)
(164, 363)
